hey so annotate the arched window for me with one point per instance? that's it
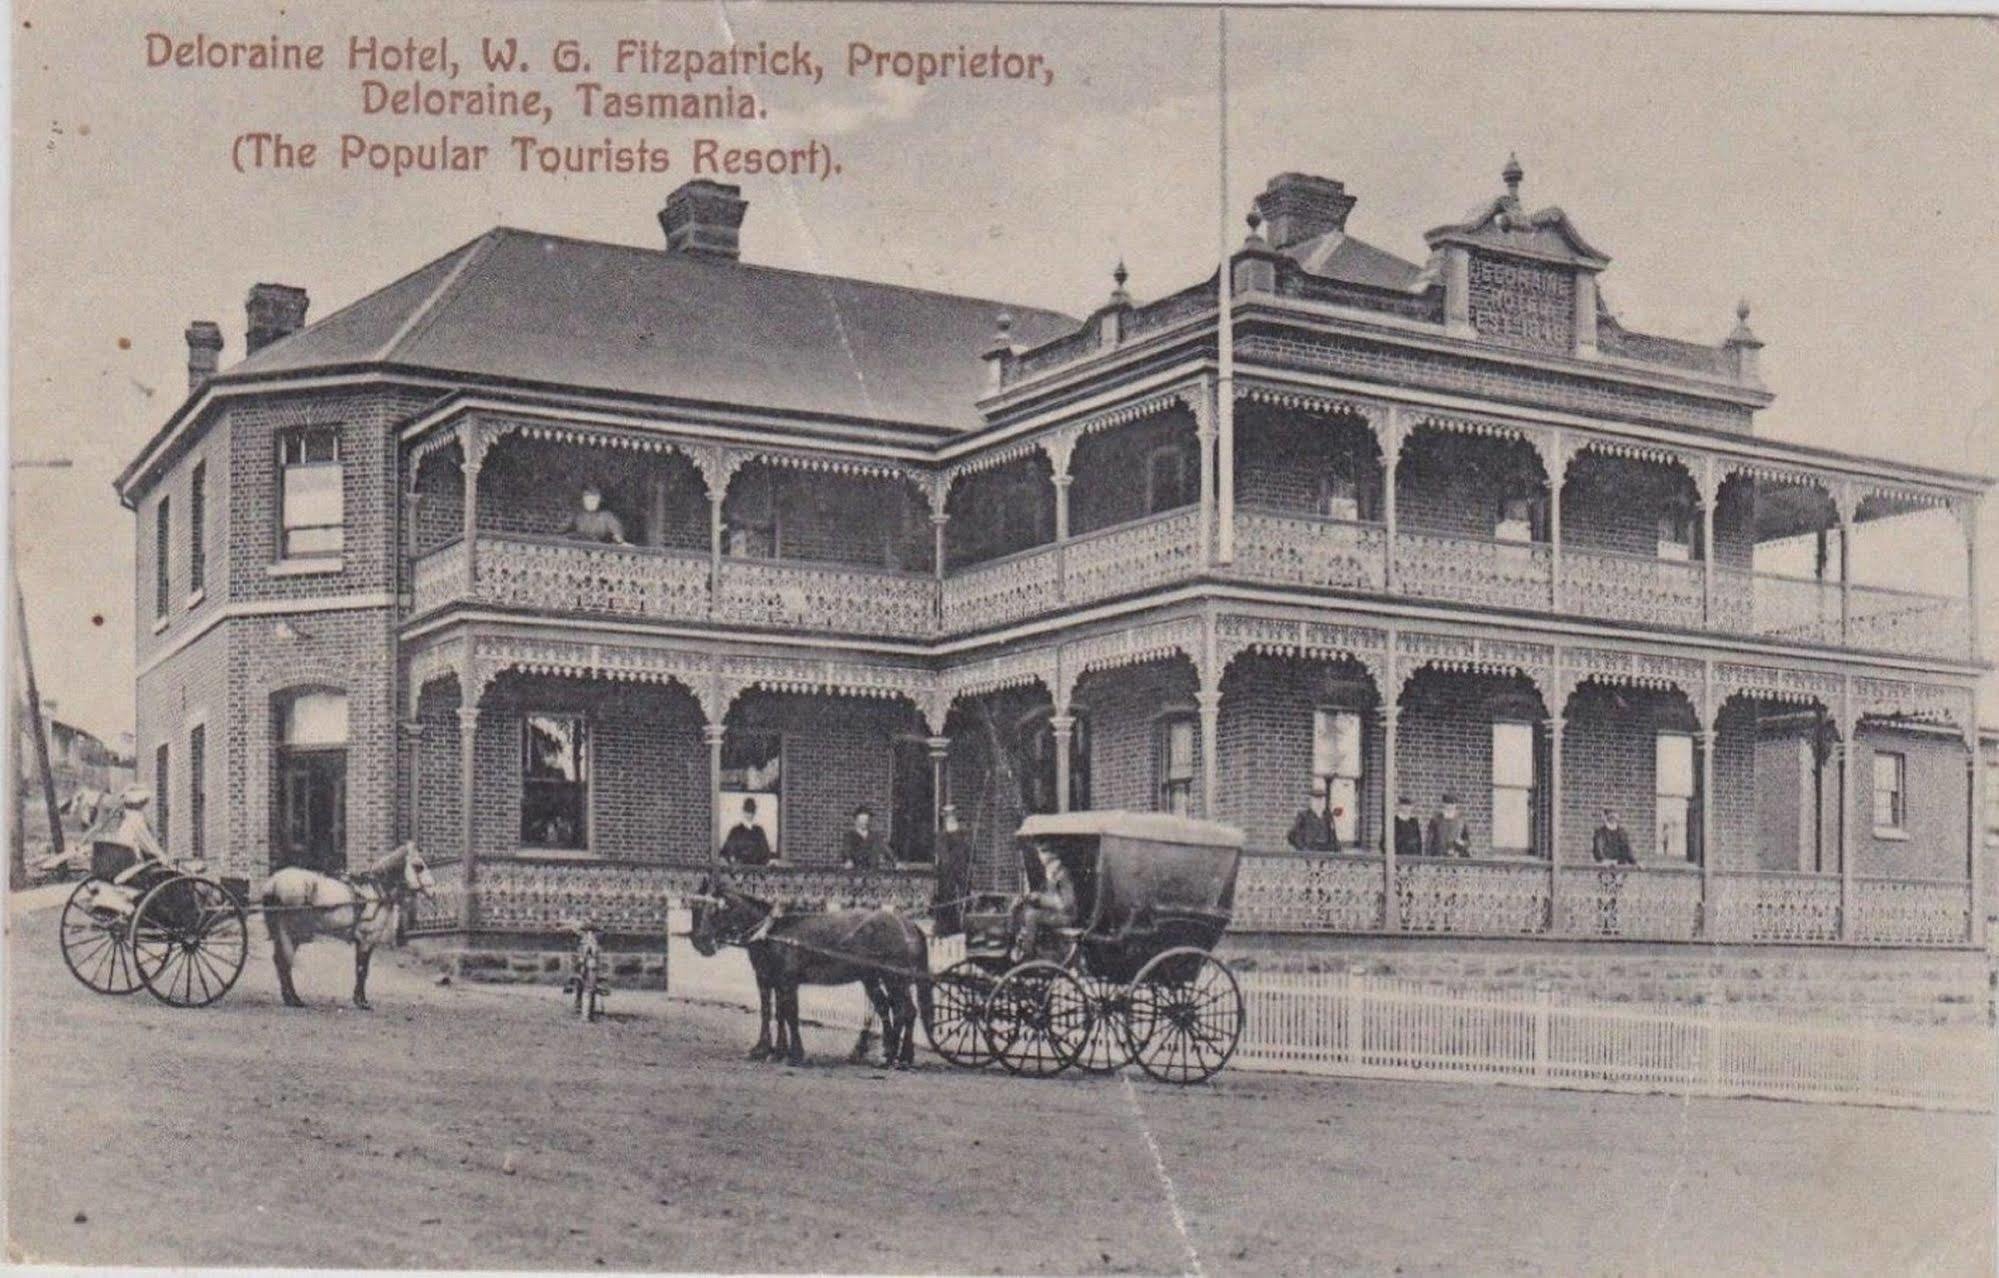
(311, 771)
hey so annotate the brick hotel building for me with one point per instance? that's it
(1386, 527)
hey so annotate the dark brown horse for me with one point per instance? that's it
(300, 904)
(879, 949)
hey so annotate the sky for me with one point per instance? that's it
(1840, 173)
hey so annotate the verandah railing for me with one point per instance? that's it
(1338, 893)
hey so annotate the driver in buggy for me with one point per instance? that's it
(132, 846)
(1053, 906)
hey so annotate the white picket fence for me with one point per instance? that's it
(1353, 1024)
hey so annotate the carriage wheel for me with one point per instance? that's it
(93, 942)
(1187, 1014)
(189, 941)
(1112, 1043)
(956, 1028)
(1038, 1019)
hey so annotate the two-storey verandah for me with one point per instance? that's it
(973, 557)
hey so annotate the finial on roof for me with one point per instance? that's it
(1005, 323)
(1118, 276)
(1742, 336)
(1255, 238)
(1512, 174)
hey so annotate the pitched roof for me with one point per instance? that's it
(527, 306)
(1337, 255)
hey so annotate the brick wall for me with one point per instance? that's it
(1445, 742)
(433, 812)
(1937, 805)
(1609, 759)
(836, 518)
(535, 486)
(974, 532)
(838, 754)
(190, 687)
(440, 507)
(186, 611)
(1110, 468)
(1614, 503)
(1266, 744)
(648, 765)
(1451, 484)
(1280, 456)
(1125, 709)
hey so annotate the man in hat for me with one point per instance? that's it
(594, 523)
(746, 843)
(1408, 828)
(1449, 835)
(1313, 830)
(954, 876)
(863, 847)
(1052, 907)
(1611, 845)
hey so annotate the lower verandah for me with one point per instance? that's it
(575, 775)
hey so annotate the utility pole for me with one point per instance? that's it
(17, 854)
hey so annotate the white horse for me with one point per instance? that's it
(300, 904)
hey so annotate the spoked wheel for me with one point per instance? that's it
(1111, 1044)
(1187, 1016)
(189, 941)
(957, 1020)
(94, 939)
(1038, 1019)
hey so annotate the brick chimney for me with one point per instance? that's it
(204, 352)
(274, 310)
(704, 217)
(1298, 206)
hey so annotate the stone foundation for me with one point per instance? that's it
(1907, 986)
(630, 962)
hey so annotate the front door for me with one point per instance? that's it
(312, 815)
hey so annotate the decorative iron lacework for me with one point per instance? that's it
(434, 662)
(1916, 702)
(1540, 439)
(1775, 683)
(1136, 646)
(1237, 633)
(1007, 670)
(1634, 451)
(1373, 413)
(1631, 904)
(1631, 669)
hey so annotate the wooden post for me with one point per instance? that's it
(40, 731)
(1973, 592)
(1390, 911)
(1557, 472)
(714, 552)
(714, 734)
(1062, 534)
(1210, 702)
(1975, 871)
(1708, 617)
(1555, 726)
(1706, 743)
(472, 445)
(1204, 435)
(1846, 735)
(1388, 470)
(468, 807)
(940, 752)
(1062, 726)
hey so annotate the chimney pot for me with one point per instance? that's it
(274, 311)
(204, 352)
(1300, 206)
(705, 218)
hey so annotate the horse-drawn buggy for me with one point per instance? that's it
(168, 926)
(1129, 977)
(163, 926)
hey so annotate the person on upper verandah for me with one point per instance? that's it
(1611, 845)
(594, 523)
(862, 848)
(1449, 834)
(1314, 831)
(1052, 907)
(746, 843)
(1408, 828)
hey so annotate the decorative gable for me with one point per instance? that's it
(1518, 278)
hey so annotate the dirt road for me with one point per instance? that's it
(472, 1127)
